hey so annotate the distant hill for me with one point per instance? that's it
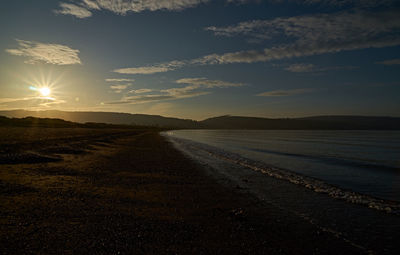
(222, 122)
(106, 117)
(317, 122)
(56, 123)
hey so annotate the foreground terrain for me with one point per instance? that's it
(122, 191)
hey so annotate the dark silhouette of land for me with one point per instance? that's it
(106, 117)
(308, 123)
(74, 188)
(222, 122)
(83, 190)
(60, 123)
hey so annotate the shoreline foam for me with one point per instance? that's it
(319, 186)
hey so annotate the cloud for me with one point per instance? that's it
(194, 89)
(339, 27)
(280, 93)
(351, 3)
(204, 82)
(50, 102)
(196, 83)
(91, 4)
(74, 10)
(119, 80)
(309, 35)
(300, 68)
(312, 35)
(157, 68)
(390, 62)
(308, 68)
(56, 54)
(243, 1)
(118, 88)
(14, 100)
(140, 91)
(84, 8)
(297, 50)
(161, 97)
(41, 101)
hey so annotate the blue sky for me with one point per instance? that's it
(202, 58)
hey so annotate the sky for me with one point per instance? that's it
(197, 59)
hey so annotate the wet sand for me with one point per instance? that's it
(132, 192)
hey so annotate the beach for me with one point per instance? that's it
(132, 192)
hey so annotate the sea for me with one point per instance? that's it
(345, 183)
(341, 163)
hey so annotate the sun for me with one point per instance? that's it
(45, 91)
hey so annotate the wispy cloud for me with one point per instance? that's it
(56, 54)
(74, 10)
(140, 91)
(243, 1)
(301, 68)
(206, 83)
(157, 68)
(118, 88)
(280, 93)
(194, 89)
(390, 62)
(39, 100)
(140, 99)
(91, 4)
(311, 68)
(14, 100)
(299, 50)
(352, 3)
(337, 28)
(84, 8)
(50, 102)
(119, 80)
(309, 35)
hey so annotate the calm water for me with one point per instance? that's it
(367, 162)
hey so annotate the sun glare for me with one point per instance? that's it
(45, 91)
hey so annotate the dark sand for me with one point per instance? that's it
(131, 192)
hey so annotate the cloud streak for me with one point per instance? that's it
(311, 68)
(119, 80)
(118, 88)
(41, 101)
(140, 91)
(195, 87)
(206, 83)
(157, 68)
(55, 54)
(351, 3)
(390, 62)
(338, 27)
(281, 93)
(74, 10)
(301, 68)
(309, 35)
(84, 8)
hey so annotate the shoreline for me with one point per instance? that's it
(136, 193)
(311, 183)
(367, 228)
